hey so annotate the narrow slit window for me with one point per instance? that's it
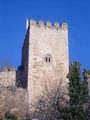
(49, 59)
(46, 59)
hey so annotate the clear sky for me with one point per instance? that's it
(13, 14)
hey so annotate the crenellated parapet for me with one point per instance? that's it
(33, 22)
(56, 25)
(6, 69)
(11, 68)
(41, 23)
(48, 24)
(64, 26)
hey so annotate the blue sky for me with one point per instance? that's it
(13, 14)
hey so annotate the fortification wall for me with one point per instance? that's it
(7, 77)
(22, 73)
(47, 40)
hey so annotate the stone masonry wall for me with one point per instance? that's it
(13, 99)
(47, 41)
(22, 73)
(7, 77)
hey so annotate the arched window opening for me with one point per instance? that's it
(48, 58)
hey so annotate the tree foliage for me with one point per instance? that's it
(78, 92)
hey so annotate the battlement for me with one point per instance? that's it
(48, 24)
(5, 69)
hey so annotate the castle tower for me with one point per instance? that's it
(45, 60)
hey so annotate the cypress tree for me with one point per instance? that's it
(75, 92)
(86, 74)
(86, 97)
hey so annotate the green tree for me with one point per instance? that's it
(76, 92)
(86, 74)
(9, 116)
(86, 97)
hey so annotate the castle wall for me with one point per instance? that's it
(22, 73)
(47, 41)
(25, 59)
(7, 78)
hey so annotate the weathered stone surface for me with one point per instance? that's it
(45, 57)
(8, 78)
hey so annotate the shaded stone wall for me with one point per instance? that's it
(47, 41)
(22, 73)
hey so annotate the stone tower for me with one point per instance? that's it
(45, 60)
